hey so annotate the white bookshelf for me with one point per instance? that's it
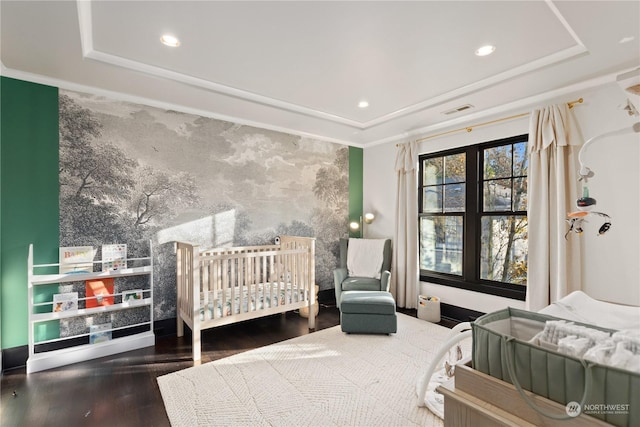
(47, 359)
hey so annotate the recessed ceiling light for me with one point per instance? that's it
(626, 39)
(485, 50)
(169, 40)
(363, 104)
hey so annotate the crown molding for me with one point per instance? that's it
(119, 96)
(89, 52)
(520, 106)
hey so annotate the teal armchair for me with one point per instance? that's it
(343, 282)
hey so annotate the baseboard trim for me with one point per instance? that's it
(16, 357)
(458, 314)
(165, 327)
(327, 297)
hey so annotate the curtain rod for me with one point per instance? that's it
(570, 104)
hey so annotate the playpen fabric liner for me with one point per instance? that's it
(503, 348)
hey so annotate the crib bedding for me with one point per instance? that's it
(268, 296)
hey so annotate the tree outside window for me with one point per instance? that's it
(473, 221)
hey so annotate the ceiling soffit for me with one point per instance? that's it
(559, 43)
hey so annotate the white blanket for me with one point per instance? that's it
(580, 307)
(364, 257)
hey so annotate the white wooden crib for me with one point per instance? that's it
(228, 285)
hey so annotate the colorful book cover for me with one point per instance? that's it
(132, 297)
(114, 257)
(99, 292)
(65, 302)
(76, 259)
(99, 333)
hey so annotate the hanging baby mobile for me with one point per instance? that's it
(577, 220)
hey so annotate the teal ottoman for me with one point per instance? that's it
(368, 312)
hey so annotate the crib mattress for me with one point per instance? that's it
(266, 296)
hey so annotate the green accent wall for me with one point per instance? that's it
(355, 186)
(28, 195)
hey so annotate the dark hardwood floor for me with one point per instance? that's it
(121, 390)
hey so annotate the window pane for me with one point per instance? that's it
(503, 250)
(432, 200)
(454, 197)
(441, 244)
(454, 168)
(497, 195)
(497, 162)
(432, 171)
(520, 159)
(520, 194)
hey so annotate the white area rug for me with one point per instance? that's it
(326, 378)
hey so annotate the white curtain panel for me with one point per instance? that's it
(554, 262)
(404, 268)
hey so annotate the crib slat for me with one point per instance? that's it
(195, 303)
(223, 286)
(269, 279)
(228, 285)
(256, 280)
(215, 274)
(180, 278)
(236, 285)
(206, 277)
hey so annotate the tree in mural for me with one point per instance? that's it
(93, 178)
(106, 197)
(332, 183)
(98, 171)
(295, 228)
(330, 220)
(106, 193)
(158, 196)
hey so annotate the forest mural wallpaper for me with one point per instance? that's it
(132, 174)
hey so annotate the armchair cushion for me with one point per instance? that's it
(361, 284)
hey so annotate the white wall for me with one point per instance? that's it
(611, 267)
(611, 264)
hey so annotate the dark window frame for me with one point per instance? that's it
(472, 216)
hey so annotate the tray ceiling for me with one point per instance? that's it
(303, 67)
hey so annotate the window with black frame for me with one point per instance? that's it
(473, 217)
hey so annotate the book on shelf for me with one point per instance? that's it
(99, 333)
(65, 302)
(114, 257)
(76, 259)
(99, 292)
(132, 297)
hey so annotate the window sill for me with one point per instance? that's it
(516, 292)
